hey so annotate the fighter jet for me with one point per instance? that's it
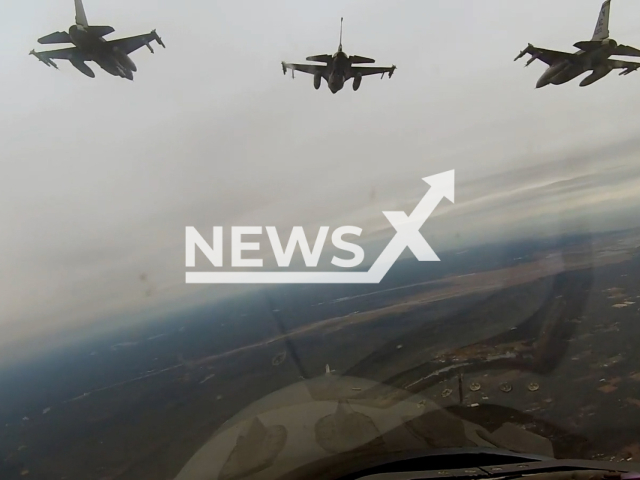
(593, 55)
(90, 45)
(337, 68)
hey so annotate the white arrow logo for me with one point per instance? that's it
(407, 236)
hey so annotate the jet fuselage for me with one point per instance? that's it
(566, 70)
(116, 63)
(339, 71)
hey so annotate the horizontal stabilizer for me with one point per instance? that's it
(626, 51)
(57, 37)
(588, 46)
(359, 59)
(99, 31)
(319, 58)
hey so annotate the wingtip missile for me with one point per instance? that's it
(389, 73)
(287, 66)
(47, 61)
(157, 38)
(523, 52)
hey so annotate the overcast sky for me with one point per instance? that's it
(101, 176)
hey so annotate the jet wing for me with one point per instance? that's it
(364, 71)
(131, 44)
(547, 56)
(47, 57)
(306, 68)
(62, 54)
(628, 67)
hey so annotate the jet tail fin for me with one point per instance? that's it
(601, 31)
(81, 17)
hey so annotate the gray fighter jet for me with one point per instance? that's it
(337, 68)
(90, 45)
(594, 55)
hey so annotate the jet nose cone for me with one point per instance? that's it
(542, 82)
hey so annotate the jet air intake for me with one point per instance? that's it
(83, 67)
(598, 73)
(356, 81)
(317, 79)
